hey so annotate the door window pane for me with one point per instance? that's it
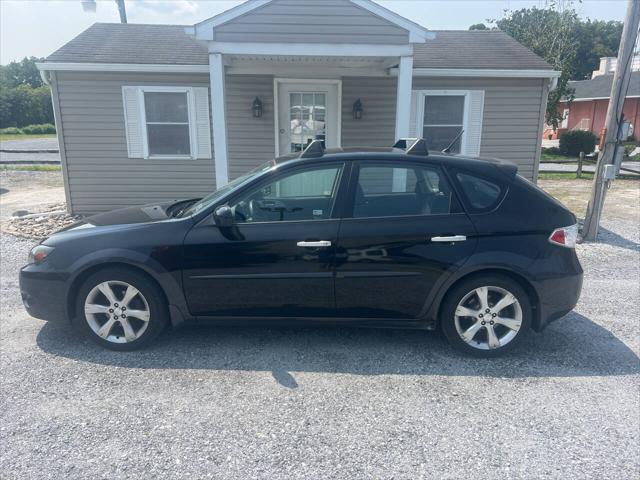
(443, 121)
(303, 195)
(167, 122)
(307, 113)
(385, 191)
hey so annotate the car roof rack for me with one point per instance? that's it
(314, 149)
(413, 146)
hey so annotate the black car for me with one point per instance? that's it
(387, 237)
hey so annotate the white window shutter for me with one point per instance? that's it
(413, 122)
(203, 123)
(133, 122)
(474, 123)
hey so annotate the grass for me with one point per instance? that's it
(21, 136)
(564, 176)
(31, 168)
(550, 157)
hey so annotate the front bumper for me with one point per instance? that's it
(44, 294)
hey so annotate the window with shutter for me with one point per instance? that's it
(167, 122)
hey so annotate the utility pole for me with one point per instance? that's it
(605, 172)
(90, 6)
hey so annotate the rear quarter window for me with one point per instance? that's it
(481, 194)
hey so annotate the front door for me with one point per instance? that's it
(405, 234)
(277, 259)
(307, 112)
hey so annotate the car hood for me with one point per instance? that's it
(129, 215)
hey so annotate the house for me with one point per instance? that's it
(588, 109)
(155, 112)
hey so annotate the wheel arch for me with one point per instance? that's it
(82, 276)
(522, 281)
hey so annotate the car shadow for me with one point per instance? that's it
(573, 346)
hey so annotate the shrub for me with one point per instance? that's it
(575, 141)
(10, 131)
(39, 129)
(552, 151)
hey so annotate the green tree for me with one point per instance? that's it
(552, 34)
(478, 26)
(23, 72)
(596, 38)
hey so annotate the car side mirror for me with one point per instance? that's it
(224, 216)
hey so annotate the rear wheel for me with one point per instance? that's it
(120, 309)
(486, 316)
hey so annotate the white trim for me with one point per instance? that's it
(276, 102)
(218, 114)
(204, 30)
(121, 67)
(480, 72)
(309, 71)
(311, 49)
(417, 33)
(589, 99)
(421, 94)
(191, 120)
(403, 98)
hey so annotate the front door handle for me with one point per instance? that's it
(451, 238)
(319, 243)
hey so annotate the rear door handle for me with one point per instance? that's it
(451, 238)
(319, 243)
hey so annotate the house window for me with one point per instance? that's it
(444, 121)
(167, 123)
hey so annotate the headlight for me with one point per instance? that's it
(39, 253)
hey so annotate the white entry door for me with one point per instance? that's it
(307, 111)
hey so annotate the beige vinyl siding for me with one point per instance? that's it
(311, 21)
(511, 120)
(100, 176)
(250, 140)
(377, 126)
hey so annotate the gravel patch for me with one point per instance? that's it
(41, 224)
(241, 403)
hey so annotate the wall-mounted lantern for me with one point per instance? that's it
(357, 110)
(257, 108)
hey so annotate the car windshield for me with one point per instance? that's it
(215, 196)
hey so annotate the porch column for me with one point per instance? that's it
(219, 118)
(403, 99)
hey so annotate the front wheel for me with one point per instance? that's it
(486, 316)
(120, 309)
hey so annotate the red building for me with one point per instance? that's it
(589, 108)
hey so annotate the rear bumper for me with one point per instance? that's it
(44, 294)
(558, 297)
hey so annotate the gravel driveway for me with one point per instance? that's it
(311, 403)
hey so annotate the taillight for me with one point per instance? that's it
(565, 236)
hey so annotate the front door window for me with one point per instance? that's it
(307, 115)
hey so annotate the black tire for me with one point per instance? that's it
(458, 292)
(151, 293)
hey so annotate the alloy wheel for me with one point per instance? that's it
(488, 317)
(117, 312)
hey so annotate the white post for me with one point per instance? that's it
(218, 114)
(403, 99)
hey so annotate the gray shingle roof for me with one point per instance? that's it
(169, 44)
(600, 87)
(476, 49)
(131, 43)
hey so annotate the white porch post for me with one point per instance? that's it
(403, 99)
(219, 117)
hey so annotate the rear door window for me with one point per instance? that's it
(481, 194)
(384, 190)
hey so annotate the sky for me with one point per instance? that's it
(39, 27)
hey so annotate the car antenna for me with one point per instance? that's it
(450, 146)
(314, 149)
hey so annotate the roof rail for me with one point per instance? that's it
(314, 149)
(404, 143)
